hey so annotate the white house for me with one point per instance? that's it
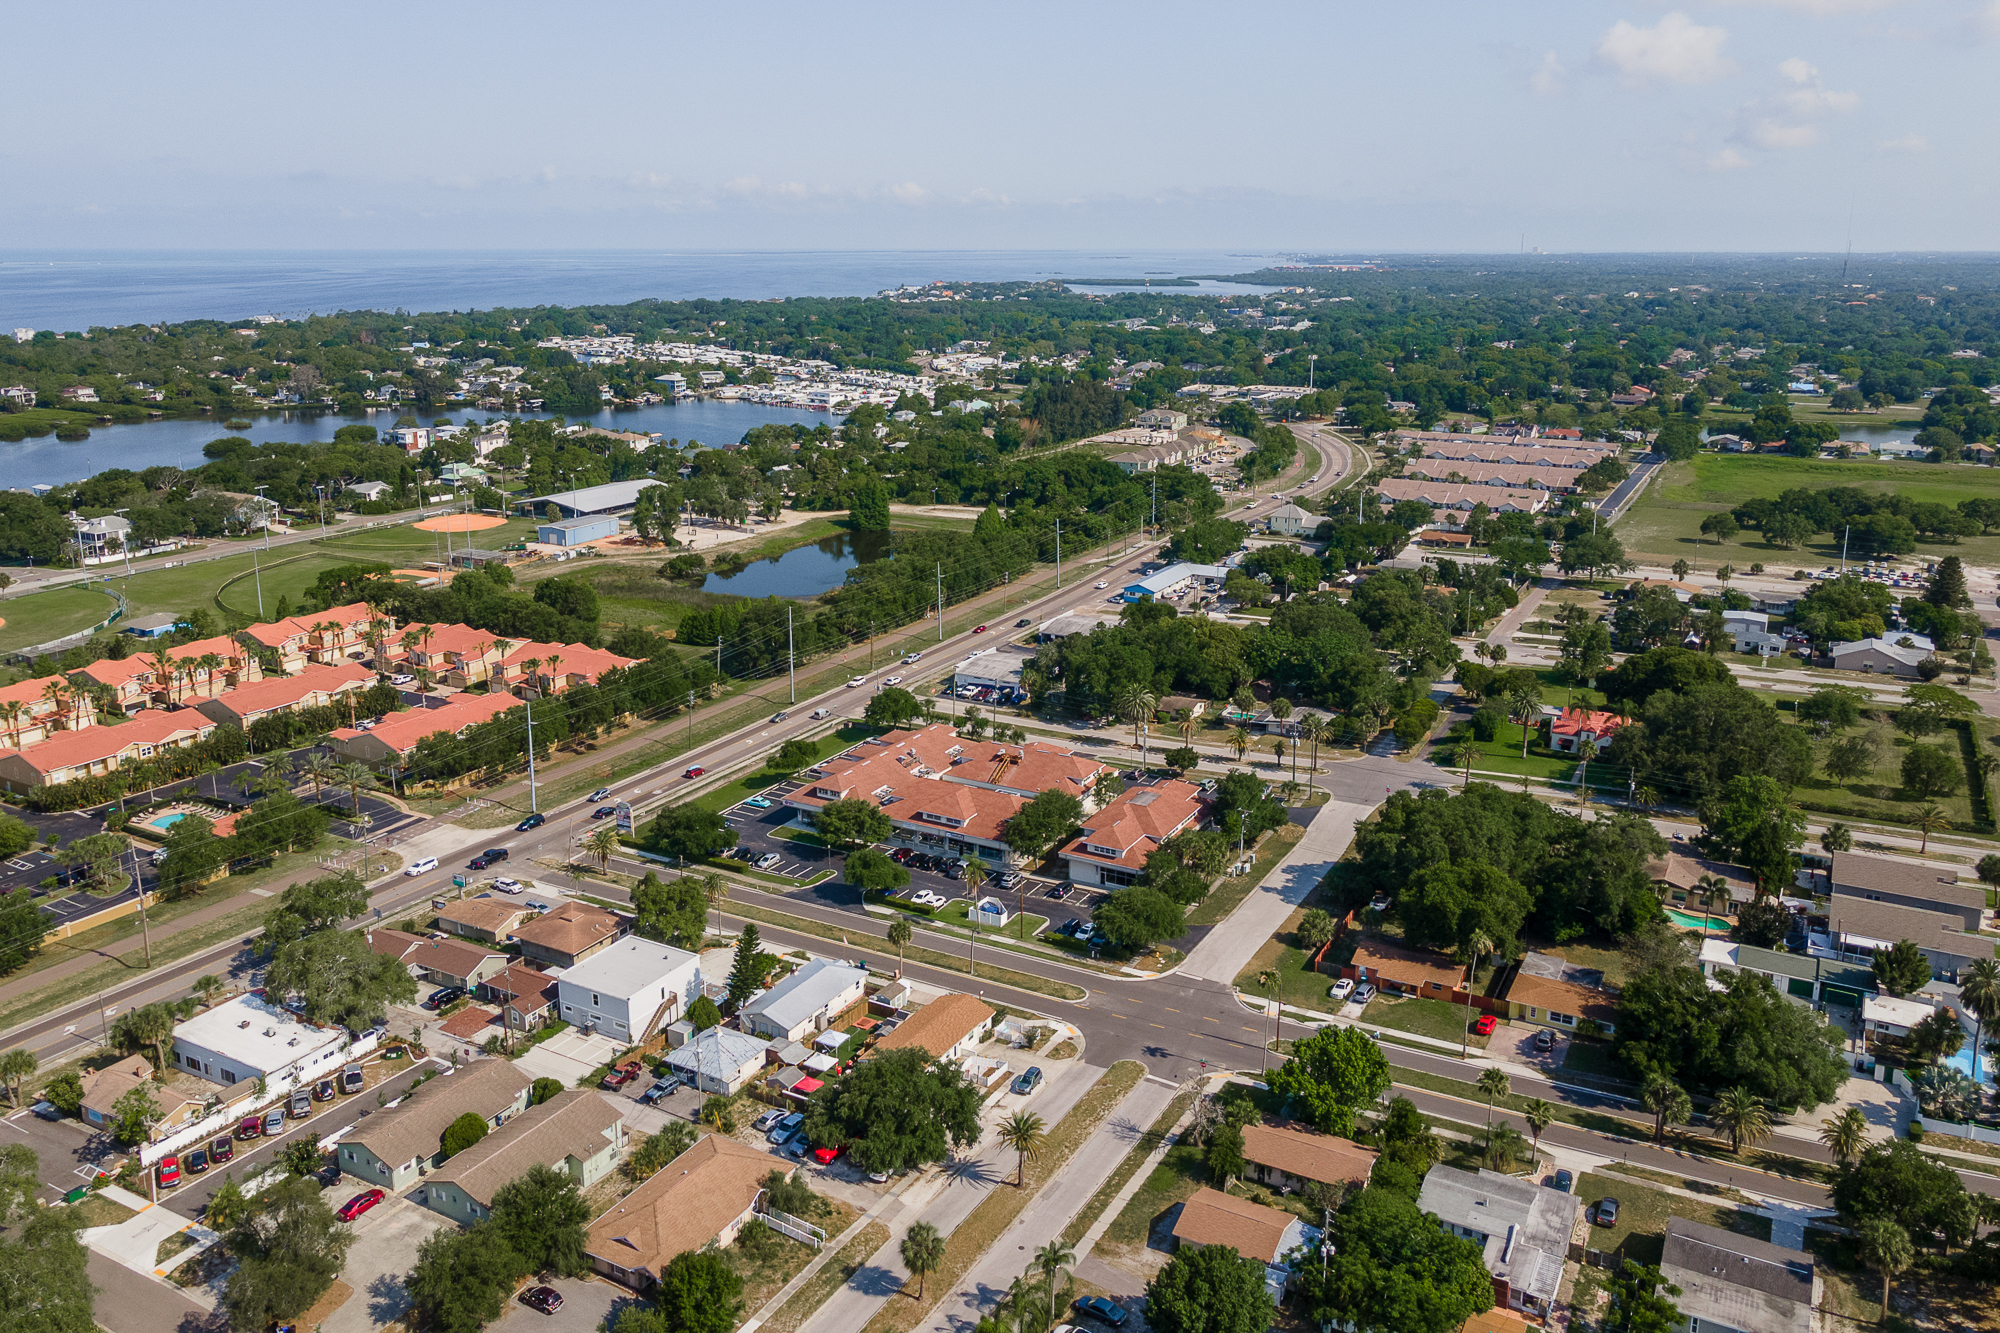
(720, 1061)
(1898, 655)
(630, 989)
(1289, 520)
(806, 1002)
(246, 1038)
(1752, 632)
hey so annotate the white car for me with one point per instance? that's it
(423, 865)
(925, 898)
(857, 682)
(507, 885)
(911, 658)
(1341, 989)
(402, 680)
(767, 860)
(1102, 585)
(892, 680)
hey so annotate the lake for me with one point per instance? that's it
(803, 571)
(51, 462)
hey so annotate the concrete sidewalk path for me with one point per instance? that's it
(1228, 948)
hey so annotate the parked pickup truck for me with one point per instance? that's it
(622, 1075)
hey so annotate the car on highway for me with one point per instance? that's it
(546, 1299)
(599, 794)
(534, 821)
(1102, 585)
(423, 865)
(351, 1079)
(1099, 1307)
(760, 803)
(910, 658)
(621, 1075)
(604, 812)
(780, 715)
(856, 682)
(767, 860)
(443, 996)
(359, 1204)
(1606, 1212)
(1028, 1080)
(892, 680)
(694, 771)
(491, 856)
(1485, 1025)
(1340, 989)
(820, 714)
(323, 1090)
(222, 1150)
(979, 629)
(1023, 623)
(168, 1171)
(274, 1122)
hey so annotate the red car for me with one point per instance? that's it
(622, 1075)
(694, 772)
(359, 1204)
(1484, 1027)
(825, 1156)
(250, 1127)
(168, 1172)
(980, 630)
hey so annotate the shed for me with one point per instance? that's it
(577, 531)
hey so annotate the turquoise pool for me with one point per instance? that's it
(168, 821)
(1687, 921)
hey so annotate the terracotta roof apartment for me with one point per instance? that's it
(1125, 832)
(573, 664)
(313, 687)
(397, 734)
(574, 1123)
(415, 1128)
(1516, 476)
(682, 1206)
(297, 633)
(41, 715)
(572, 931)
(74, 754)
(1026, 770)
(1383, 963)
(1251, 1229)
(1458, 495)
(938, 1026)
(1308, 1155)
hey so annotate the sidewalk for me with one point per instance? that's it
(1230, 945)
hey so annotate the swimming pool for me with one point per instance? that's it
(167, 821)
(1688, 922)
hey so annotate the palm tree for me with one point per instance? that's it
(923, 1252)
(12, 710)
(715, 889)
(1494, 1084)
(55, 692)
(1739, 1114)
(356, 778)
(1460, 754)
(1668, 1102)
(15, 1067)
(975, 875)
(900, 934)
(1503, 1141)
(1136, 703)
(1024, 1132)
(226, 1206)
(1539, 1115)
(1931, 819)
(207, 986)
(1239, 741)
(1311, 729)
(1845, 1135)
(1886, 1248)
(1647, 796)
(323, 770)
(1278, 748)
(1051, 1259)
(1980, 991)
(1187, 725)
(163, 670)
(209, 664)
(602, 844)
(1524, 706)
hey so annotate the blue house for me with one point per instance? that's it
(577, 531)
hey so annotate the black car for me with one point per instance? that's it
(532, 821)
(323, 1090)
(443, 996)
(491, 856)
(604, 812)
(1023, 624)
(1563, 1180)
(1109, 1311)
(196, 1162)
(546, 1299)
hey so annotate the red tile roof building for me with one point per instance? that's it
(93, 751)
(1578, 727)
(1115, 842)
(557, 667)
(168, 676)
(311, 687)
(320, 636)
(30, 713)
(389, 742)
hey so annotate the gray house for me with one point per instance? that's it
(1861, 927)
(806, 1002)
(1523, 1227)
(1733, 1284)
(1930, 888)
(577, 1132)
(392, 1148)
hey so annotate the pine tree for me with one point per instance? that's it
(746, 973)
(1947, 585)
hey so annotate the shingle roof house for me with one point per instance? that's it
(706, 1194)
(1734, 1284)
(385, 1148)
(806, 1001)
(1523, 1227)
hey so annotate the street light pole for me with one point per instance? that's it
(258, 574)
(264, 514)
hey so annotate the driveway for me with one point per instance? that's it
(567, 1056)
(587, 1302)
(385, 1245)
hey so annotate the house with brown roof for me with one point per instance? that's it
(1552, 992)
(568, 935)
(1286, 1156)
(1251, 1229)
(387, 1148)
(1112, 848)
(1682, 873)
(527, 998)
(388, 743)
(576, 1131)
(440, 962)
(181, 1100)
(1403, 971)
(487, 920)
(702, 1197)
(948, 1027)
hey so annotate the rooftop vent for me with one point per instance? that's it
(244, 1024)
(270, 1032)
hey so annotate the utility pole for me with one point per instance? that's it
(265, 515)
(258, 574)
(1312, 364)
(139, 882)
(1844, 530)
(1058, 555)
(532, 808)
(1156, 504)
(940, 578)
(690, 719)
(791, 654)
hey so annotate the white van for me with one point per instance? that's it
(819, 714)
(423, 865)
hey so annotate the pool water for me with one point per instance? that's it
(1687, 921)
(1963, 1063)
(168, 821)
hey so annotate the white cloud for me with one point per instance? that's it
(1817, 8)
(1792, 118)
(1727, 160)
(1909, 145)
(1674, 50)
(1798, 71)
(1550, 76)
(909, 192)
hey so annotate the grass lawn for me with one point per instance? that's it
(1426, 1018)
(1641, 1231)
(749, 784)
(42, 616)
(1023, 926)
(94, 1210)
(289, 577)
(780, 1258)
(1665, 524)
(1174, 1180)
(832, 1276)
(1880, 795)
(1228, 893)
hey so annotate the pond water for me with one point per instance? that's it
(803, 571)
(52, 462)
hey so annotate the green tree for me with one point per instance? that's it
(22, 931)
(704, 1014)
(1446, 906)
(673, 912)
(1136, 918)
(848, 824)
(1929, 771)
(318, 904)
(1540, 1115)
(1331, 1075)
(1671, 1024)
(339, 978)
(1898, 1182)
(870, 507)
(193, 854)
(1315, 930)
(134, 1114)
(1668, 1102)
(749, 967)
(1851, 758)
(544, 1217)
(461, 1280)
(892, 706)
(289, 1248)
(1885, 1247)
(896, 1111)
(700, 1292)
(16, 1067)
(656, 1150)
(149, 1028)
(1640, 1302)
(1045, 822)
(302, 1157)
(923, 1252)
(791, 756)
(690, 833)
(44, 1273)
(1224, 1154)
(1902, 969)
(1023, 1133)
(872, 871)
(1753, 821)
(542, 1089)
(1946, 587)
(1210, 1289)
(462, 1133)
(1838, 706)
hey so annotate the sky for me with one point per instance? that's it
(1341, 128)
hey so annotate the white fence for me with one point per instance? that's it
(221, 1121)
(1977, 1133)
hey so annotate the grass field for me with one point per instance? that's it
(1665, 524)
(50, 615)
(1880, 794)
